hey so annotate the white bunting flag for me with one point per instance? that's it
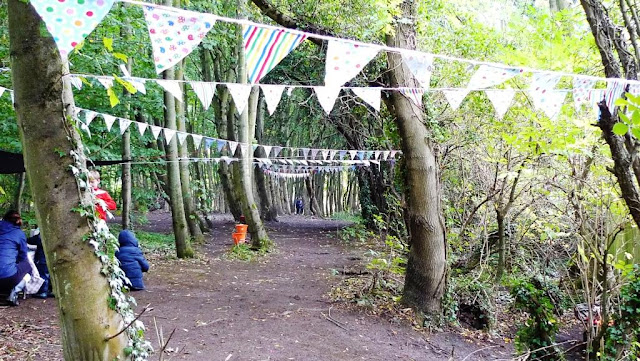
(240, 94)
(595, 97)
(204, 91)
(353, 154)
(314, 153)
(276, 151)
(106, 82)
(108, 120)
(385, 154)
(455, 97)
(501, 100)
(272, 96)
(172, 87)
(197, 140)
(345, 60)
(175, 33)
(414, 94)
(124, 125)
(75, 81)
(232, 147)
(142, 127)
(168, 135)
(554, 101)
(182, 136)
(2, 90)
(581, 87)
(155, 131)
(136, 82)
(376, 154)
(421, 65)
(541, 86)
(89, 116)
(634, 89)
(327, 96)
(267, 150)
(370, 95)
(244, 149)
(488, 76)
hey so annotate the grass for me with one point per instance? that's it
(347, 217)
(149, 241)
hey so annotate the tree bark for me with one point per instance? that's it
(426, 268)
(44, 106)
(126, 155)
(17, 199)
(267, 208)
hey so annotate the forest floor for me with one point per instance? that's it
(275, 307)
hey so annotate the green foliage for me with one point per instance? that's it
(244, 252)
(622, 339)
(358, 233)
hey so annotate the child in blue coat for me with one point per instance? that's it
(131, 259)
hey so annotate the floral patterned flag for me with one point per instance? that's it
(327, 96)
(272, 96)
(345, 60)
(370, 95)
(175, 33)
(421, 65)
(541, 86)
(581, 87)
(501, 100)
(70, 21)
(488, 75)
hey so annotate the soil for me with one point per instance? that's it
(272, 308)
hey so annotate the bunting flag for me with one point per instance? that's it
(615, 89)
(142, 127)
(488, 76)
(265, 48)
(501, 100)
(595, 97)
(220, 144)
(182, 136)
(70, 21)
(305, 152)
(314, 153)
(89, 116)
(197, 139)
(421, 65)
(267, 150)
(272, 95)
(172, 87)
(455, 97)
(137, 83)
(541, 86)
(553, 103)
(155, 131)
(204, 91)
(385, 154)
(108, 120)
(276, 151)
(370, 95)
(208, 142)
(74, 80)
(124, 125)
(168, 134)
(232, 147)
(240, 94)
(581, 88)
(353, 154)
(414, 94)
(327, 96)
(175, 33)
(345, 60)
(106, 82)
(244, 149)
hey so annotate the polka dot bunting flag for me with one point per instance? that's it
(70, 21)
(174, 34)
(345, 60)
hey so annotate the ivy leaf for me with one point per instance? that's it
(113, 98)
(620, 129)
(108, 43)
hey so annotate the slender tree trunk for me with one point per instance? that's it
(502, 246)
(17, 199)
(126, 155)
(44, 106)
(267, 208)
(426, 268)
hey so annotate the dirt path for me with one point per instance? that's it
(271, 309)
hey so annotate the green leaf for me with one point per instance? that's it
(620, 129)
(624, 117)
(113, 98)
(121, 56)
(108, 43)
(130, 88)
(620, 102)
(636, 132)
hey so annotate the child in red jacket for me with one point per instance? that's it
(105, 202)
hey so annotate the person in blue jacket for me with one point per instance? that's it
(131, 259)
(14, 264)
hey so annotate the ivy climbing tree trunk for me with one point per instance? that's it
(426, 268)
(43, 106)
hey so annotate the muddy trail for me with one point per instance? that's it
(272, 308)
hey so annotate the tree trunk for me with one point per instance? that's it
(426, 268)
(17, 199)
(313, 202)
(44, 106)
(502, 246)
(267, 208)
(126, 167)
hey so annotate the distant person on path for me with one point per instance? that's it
(105, 202)
(299, 206)
(131, 259)
(14, 264)
(41, 264)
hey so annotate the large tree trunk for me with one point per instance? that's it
(267, 208)
(426, 268)
(44, 107)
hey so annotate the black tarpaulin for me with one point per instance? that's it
(14, 163)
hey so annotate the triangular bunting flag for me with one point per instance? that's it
(414, 94)
(182, 136)
(376, 154)
(267, 150)
(240, 94)
(142, 127)
(305, 152)
(276, 151)
(541, 85)
(581, 87)
(421, 65)
(455, 97)
(174, 34)
(124, 125)
(615, 89)
(595, 97)
(197, 139)
(272, 96)
(204, 91)
(327, 96)
(108, 120)
(220, 144)
(208, 142)
(360, 155)
(232, 147)
(168, 134)
(345, 60)
(488, 76)
(2, 90)
(69, 22)
(370, 95)
(172, 87)
(385, 154)
(501, 100)
(353, 154)
(265, 48)
(75, 81)
(89, 116)
(341, 154)
(314, 153)
(553, 103)
(106, 82)
(155, 131)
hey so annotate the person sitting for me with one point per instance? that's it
(14, 264)
(131, 259)
(105, 203)
(299, 206)
(41, 264)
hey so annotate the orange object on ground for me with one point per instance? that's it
(241, 228)
(238, 238)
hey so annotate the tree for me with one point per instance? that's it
(44, 106)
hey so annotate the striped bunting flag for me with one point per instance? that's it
(265, 48)
(414, 94)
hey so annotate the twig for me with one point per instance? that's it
(334, 321)
(484, 348)
(167, 343)
(146, 308)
